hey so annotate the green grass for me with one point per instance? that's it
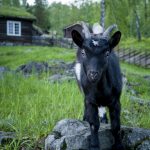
(8, 11)
(14, 56)
(31, 106)
(134, 44)
(132, 114)
(132, 69)
(135, 75)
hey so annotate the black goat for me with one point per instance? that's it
(99, 77)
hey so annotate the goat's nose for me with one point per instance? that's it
(93, 75)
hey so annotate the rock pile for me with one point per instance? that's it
(69, 134)
(58, 70)
(33, 67)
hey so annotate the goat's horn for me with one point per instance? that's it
(85, 31)
(109, 30)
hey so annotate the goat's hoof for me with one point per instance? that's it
(118, 147)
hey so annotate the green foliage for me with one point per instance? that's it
(120, 12)
(24, 3)
(116, 12)
(124, 13)
(15, 3)
(88, 11)
(41, 13)
(15, 12)
(57, 17)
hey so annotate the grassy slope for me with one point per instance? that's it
(31, 106)
(15, 56)
(133, 43)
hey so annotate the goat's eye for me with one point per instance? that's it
(107, 53)
(83, 53)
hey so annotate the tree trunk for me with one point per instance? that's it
(24, 3)
(145, 6)
(137, 26)
(102, 13)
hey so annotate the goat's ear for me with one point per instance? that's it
(77, 38)
(114, 40)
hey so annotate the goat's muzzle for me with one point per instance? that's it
(93, 76)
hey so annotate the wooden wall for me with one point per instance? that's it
(26, 31)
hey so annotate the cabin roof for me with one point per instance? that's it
(13, 12)
(68, 29)
(72, 25)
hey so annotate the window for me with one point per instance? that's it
(14, 28)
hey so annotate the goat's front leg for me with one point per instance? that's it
(91, 115)
(114, 111)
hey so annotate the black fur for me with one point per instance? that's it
(101, 83)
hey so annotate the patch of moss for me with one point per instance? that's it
(7, 11)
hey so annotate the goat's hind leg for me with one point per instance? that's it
(114, 111)
(91, 116)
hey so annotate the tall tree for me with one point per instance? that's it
(24, 3)
(137, 26)
(7, 2)
(16, 3)
(41, 14)
(134, 9)
(102, 13)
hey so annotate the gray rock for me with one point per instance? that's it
(144, 145)
(57, 67)
(62, 67)
(70, 134)
(54, 144)
(67, 78)
(134, 137)
(3, 70)
(6, 137)
(61, 71)
(124, 80)
(33, 67)
(132, 91)
(55, 77)
(140, 101)
(147, 77)
(60, 78)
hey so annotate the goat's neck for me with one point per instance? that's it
(105, 82)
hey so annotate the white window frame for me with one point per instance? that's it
(13, 33)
